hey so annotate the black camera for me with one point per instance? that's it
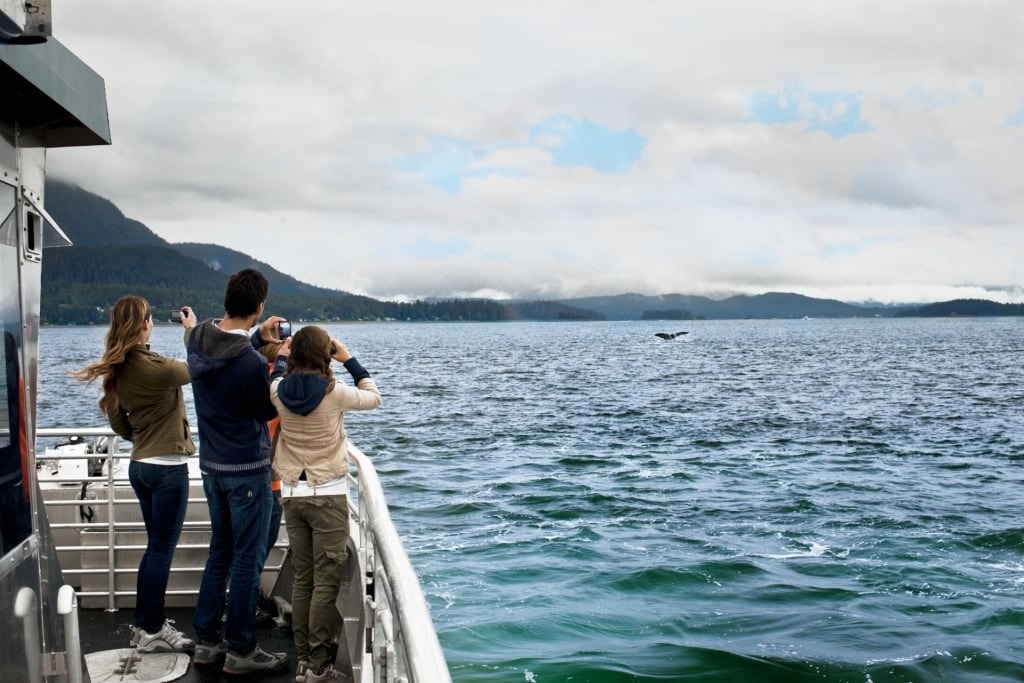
(334, 349)
(176, 315)
(284, 330)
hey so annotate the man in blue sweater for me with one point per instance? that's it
(231, 385)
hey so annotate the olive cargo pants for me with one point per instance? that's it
(317, 536)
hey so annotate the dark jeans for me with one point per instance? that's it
(162, 491)
(275, 522)
(240, 516)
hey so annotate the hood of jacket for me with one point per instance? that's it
(212, 348)
(302, 392)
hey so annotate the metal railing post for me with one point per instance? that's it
(67, 606)
(111, 527)
(25, 609)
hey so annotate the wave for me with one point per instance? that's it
(663, 662)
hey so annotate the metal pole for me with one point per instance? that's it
(67, 605)
(26, 610)
(112, 448)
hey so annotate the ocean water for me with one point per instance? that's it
(806, 500)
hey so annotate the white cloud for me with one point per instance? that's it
(275, 133)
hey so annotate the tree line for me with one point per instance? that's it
(80, 284)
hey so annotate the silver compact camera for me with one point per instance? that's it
(176, 316)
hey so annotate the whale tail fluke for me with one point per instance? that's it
(670, 335)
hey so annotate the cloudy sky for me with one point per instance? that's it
(858, 150)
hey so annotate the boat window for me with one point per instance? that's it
(15, 513)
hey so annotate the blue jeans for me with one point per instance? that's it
(162, 491)
(275, 522)
(240, 517)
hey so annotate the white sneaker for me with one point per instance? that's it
(328, 675)
(167, 639)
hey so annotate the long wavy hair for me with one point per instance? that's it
(311, 353)
(127, 324)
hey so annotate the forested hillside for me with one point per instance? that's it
(963, 308)
(113, 255)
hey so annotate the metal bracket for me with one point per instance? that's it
(54, 664)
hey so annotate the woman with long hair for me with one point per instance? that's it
(311, 460)
(143, 400)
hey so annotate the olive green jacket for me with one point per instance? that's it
(151, 406)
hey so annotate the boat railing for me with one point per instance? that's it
(402, 641)
(406, 646)
(110, 492)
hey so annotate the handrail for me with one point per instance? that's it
(26, 609)
(72, 431)
(423, 650)
(112, 526)
(67, 607)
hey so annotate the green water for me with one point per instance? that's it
(758, 501)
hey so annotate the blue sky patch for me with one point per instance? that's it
(569, 141)
(581, 142)
(929, 101)
(1016, 118)
(835, 112)
(424, 248)
(450, 161)
(853, 248)
(784, 107)
(444, 165)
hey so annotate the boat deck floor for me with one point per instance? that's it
(102, 630)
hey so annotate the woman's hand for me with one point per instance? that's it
(341, 353)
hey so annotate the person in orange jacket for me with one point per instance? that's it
(269, 351)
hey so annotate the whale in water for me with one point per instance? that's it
(669, 335)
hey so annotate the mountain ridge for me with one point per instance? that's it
(113, 254)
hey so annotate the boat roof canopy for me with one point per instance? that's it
(54, 95)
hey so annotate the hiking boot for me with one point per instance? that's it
(167, 639)
(257, 660)
(208, 652)
(301, 670)
(328, 675)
